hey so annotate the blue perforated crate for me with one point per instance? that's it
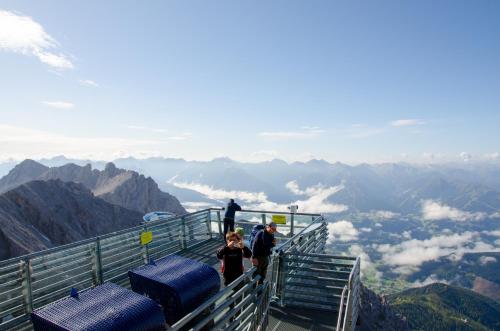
(177, 283)
(107, 307)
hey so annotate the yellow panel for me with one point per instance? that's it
(146, 237)
(279, 219)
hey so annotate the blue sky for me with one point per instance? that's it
(351, 81)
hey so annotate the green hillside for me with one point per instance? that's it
(444, 307)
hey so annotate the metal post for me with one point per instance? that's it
(95, 253)
(145, 248)
(292, 225)
(26, 284)
(263, 216)
(183, 233)
(209, 223)
(280, 287)
(219, 221)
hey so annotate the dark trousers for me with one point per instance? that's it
(228, 225)
(261, 268)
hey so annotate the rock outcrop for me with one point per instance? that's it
(43, 214)
(377, 314)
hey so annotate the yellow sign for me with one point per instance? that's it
(146, 237)
(279, 219)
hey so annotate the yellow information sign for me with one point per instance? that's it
(146, 237)
(279, 219)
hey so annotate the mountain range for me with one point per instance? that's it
(117, 186)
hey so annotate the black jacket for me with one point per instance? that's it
(262, 244)
(231, 210)
(232, 262)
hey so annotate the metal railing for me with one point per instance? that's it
(34, 280)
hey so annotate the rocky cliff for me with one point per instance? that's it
(43, 214)
(125, 188)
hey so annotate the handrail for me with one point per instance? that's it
(268, 212)
(298, 234)
(182, 322)
(341, 309)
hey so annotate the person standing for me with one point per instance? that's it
(231, 209)
(232, 255)
(261, 250)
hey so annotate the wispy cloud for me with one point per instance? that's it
(21, 34)
(316, 202)
(305, 132)
(407, 122)
(38, 143)
(88, 83)
(59, 104)
(435, 211)
(145, 128)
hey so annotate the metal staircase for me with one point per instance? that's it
(300, 273)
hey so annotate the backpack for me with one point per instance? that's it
(255, 230)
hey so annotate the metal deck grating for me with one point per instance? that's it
(291, 319)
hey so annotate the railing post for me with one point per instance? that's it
(183, 233)
(95, 253)
(292, 224)
(26, 284)
(145, 248)
(263, 216)
(219, 222)
(209, 223)
(280, 286)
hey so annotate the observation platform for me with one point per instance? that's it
(305, 289)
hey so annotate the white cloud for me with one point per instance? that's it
(21, 34)
(368, 268)
(407, 122)
(366, 229)
(88, 82)
(495, 233)
(306, 132)
(433, 278)
(342, 230)
(492, 156)
(484, 260)
(381, 214)
(409, 255)
(315, 203)
(59, 104)
(466, 157)
(435, 211)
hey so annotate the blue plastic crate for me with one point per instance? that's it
(107, 307)
(179, 284)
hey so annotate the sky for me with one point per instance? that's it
(349, 81)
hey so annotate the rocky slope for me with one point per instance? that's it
(43, 214)
(377, 314)
(125, 188)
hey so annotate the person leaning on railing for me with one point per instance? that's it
(231, 209)
(261, 250)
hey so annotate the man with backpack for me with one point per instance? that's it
(231, 209)
(262, 246)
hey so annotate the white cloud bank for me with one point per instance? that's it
(342, 230)
(21, 34)
(435, 211)
(408, 256)
(315, 203)
(88, 83)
